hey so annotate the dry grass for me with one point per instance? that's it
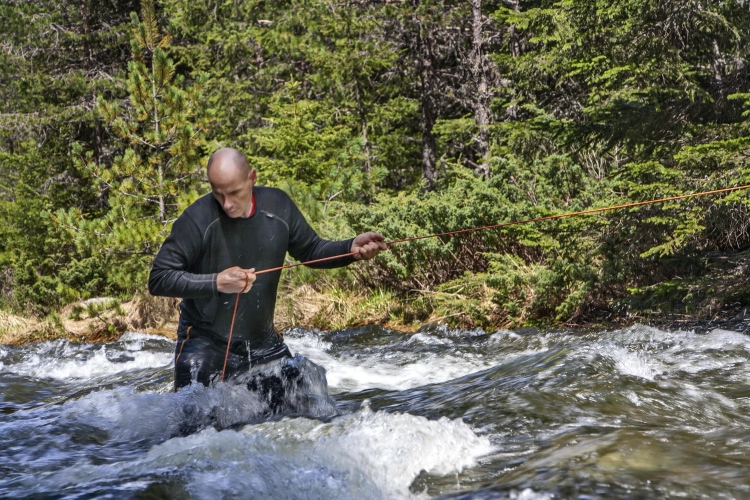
(95, 320)
(154, 315)
(297, 306)
(336, 309)
(15, 329)
(305, 306)
(105, 319)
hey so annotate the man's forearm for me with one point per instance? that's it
(173, 283)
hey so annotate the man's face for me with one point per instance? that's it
(233, 189)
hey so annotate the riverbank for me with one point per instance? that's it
(104, 319)
(676, 304)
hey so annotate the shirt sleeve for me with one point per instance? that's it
(305, 244)
(169, 273)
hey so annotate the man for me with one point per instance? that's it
(211, 255)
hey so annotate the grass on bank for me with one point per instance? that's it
(470, 301)
(330, 308)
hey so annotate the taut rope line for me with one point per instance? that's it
(515, 223)
(475, 229)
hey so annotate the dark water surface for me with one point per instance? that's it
(632, 413)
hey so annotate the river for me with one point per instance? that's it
(638, 412)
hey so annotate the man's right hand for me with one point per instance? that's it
(235, 280)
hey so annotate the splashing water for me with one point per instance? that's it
(632, 413)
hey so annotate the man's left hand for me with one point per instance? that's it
(367, 245)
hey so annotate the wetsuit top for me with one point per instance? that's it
(205, 241)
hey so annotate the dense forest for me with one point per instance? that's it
(406, 117)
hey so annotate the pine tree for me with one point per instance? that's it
(57, 56)
(161, 128)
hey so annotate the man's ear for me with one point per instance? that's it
(253, 176)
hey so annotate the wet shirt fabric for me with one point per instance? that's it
(205, 241)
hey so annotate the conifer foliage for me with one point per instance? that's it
(160, 130)
(406, 117)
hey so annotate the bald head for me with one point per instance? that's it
(228, 158)
(232, 181)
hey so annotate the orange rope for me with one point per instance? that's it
(474, 229)
(231, 328)
(513, 223)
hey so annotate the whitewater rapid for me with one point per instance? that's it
(447, 413)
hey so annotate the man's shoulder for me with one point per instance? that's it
(202, 211)
(270, 194)
(273, 200)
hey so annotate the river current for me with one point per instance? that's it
(638, 412)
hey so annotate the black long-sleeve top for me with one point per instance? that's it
(205, 241)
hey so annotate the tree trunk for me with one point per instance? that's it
(429, 114)
(363, 126)
(515, 40)
(88, 53)
(482, 95)
(157, 128)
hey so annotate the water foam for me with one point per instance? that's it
(361, 455)
(97, 365)
(65, 362)
(424, 339)
(395, 370)
(395, 448)
(691, 352)
(632, 363)
(645, 351)
(139, 337)
(529, 494)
